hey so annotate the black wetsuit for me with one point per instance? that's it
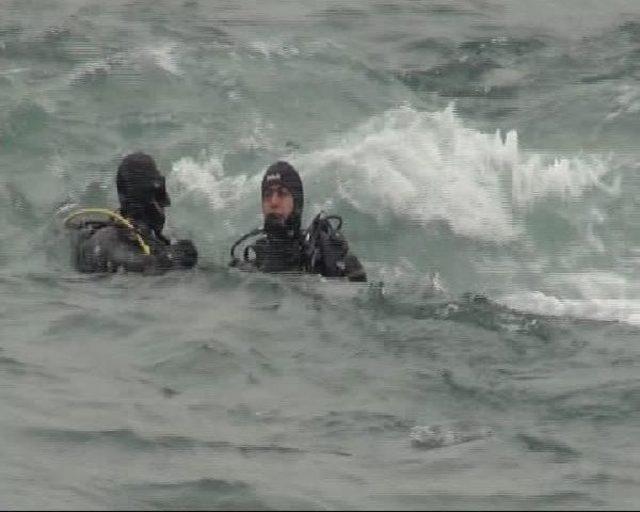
(108, 247)
(291, 254)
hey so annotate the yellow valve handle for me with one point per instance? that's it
(115, 216)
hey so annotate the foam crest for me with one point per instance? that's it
(430, 166)
(206, 178)
(597, 295)
(270, 48)
(563, 177)
(438, 436)
(164, 56)
(619, 310)
(425, 166)
(626, 101)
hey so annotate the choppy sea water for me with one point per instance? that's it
(484, 157)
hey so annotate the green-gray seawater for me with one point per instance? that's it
(483, 155)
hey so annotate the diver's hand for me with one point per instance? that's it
(182, 254)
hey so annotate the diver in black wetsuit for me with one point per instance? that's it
(132, 238)
(282, 246)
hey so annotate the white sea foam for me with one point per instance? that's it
(438, 436)
(427, 166)
(626, 101)
(595, 295)
(563, 177)
(206, 178)
(164, 56)
(270, 48)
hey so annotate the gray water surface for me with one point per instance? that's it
(484, 157)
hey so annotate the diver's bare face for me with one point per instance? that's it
(277, 201)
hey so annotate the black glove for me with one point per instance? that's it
(182, 254)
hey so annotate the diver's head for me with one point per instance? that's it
(141, 190)
(282, 199)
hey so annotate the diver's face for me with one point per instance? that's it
(277, 201)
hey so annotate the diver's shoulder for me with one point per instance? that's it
(107, 232)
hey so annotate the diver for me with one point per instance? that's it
(282, 246)
(130, 239)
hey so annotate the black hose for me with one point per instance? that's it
(242, 239)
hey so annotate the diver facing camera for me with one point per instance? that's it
(282, 246)
(131, 238)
